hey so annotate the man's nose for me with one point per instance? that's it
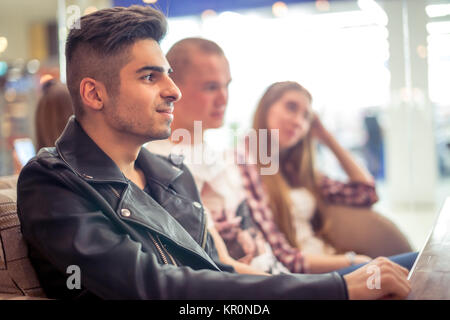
(171, 91)
(222, 97)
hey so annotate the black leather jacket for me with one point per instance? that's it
(77, 208)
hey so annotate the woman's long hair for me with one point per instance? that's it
(296, 163)
(53, 110)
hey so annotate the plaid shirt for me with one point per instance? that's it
(352, 193)
(357, 194)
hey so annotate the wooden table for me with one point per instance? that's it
(430, 275)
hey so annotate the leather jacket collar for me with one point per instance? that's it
(86, 159)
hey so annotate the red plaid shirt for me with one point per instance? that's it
(352, 193)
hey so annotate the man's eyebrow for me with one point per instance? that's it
(154, 68)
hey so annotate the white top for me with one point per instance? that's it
(303, 208)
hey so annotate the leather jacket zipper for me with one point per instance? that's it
(114, 191)
(161, 253)
(160, 247)
(163, 247)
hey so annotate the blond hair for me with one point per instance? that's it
(296, 163)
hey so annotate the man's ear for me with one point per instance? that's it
(92, 93)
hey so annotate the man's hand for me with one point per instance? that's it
(379, 279)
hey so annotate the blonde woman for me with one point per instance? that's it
(298, 190)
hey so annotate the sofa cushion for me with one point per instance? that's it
(17, 276)
(8, 182)
(364, 231)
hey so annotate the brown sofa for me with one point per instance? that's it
(371, 234)
(364, 231)
(18, 280)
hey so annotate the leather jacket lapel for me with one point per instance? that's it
(145, 211)
(84, 157)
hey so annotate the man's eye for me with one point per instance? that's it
(211, 87)
(148, 77)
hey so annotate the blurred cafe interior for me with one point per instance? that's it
(379, 72)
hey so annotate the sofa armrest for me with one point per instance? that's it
(8, 182)
(17, 276)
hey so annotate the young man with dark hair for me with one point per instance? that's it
(131, 221)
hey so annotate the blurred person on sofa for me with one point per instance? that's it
(243, 219)
(53, 110)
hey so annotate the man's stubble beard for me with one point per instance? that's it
(145, 132)
(164, 135)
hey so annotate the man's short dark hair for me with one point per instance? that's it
(101, 46)
(179, 55)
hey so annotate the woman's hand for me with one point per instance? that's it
(318, 130)
(359, 259)
(354, 171)
(321, 263)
